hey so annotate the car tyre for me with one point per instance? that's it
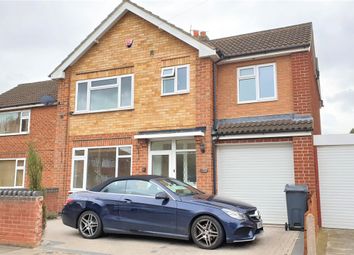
(207, 232)
(90, 225)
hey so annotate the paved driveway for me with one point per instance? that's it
(336, 242)
(60, 239)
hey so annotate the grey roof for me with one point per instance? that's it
(28, 93)
(265, 124)
(285, 38)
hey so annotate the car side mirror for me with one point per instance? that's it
(162, 195)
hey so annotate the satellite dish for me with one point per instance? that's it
(47, 100)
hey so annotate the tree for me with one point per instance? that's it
(35, 168)
(352, 131)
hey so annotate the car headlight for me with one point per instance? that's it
(234, 214)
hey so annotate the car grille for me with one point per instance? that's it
(254, 215)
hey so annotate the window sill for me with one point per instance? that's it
(175, 93)
(103, 111)
(4, 135)
(259, 101)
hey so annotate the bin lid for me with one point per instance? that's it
(296, 188)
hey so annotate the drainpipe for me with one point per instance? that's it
(214, 123)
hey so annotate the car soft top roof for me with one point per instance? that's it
(133, 177)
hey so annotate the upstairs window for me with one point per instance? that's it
(14, 123)
(257, 83)
(114, 93)
(175, 80)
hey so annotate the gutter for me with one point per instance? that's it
(214, 122)
(24, 107)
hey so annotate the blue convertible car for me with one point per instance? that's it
(159, 206)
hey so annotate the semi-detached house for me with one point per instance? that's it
(234, 116)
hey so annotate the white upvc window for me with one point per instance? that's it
(105, 94)
(15, 123)
(12, 173)
(175, 80)
(94, 165)
(256, 83)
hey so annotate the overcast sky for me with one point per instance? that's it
(35, 36)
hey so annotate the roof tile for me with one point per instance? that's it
(28, 93)
(265, 124)
(285, 38)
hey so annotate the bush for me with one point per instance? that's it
(35, 168)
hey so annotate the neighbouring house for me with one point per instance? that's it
(28, 113)
(233, 116)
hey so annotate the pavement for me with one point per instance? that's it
(61, 240)
(335, 242)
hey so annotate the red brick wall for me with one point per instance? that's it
(42, 133)
(227, 104)
(306, 95)
(21, 220)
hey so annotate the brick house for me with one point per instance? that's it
(233, 116)
(28, 114)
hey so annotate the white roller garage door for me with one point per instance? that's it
(336, 175)
(257, 174)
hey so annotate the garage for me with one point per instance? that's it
(257, 174)
(336, 176)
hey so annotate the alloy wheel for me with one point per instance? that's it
(89, 225)
(207, 233)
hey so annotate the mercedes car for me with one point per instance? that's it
(162, 207)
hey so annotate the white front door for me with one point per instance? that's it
(174, 158)
(161, 164)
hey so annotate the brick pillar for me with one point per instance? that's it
(62, 173)
(304, 162)
(306, 101)
(140, 156)
(204, 118)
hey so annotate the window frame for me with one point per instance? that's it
(175, 80)
(21, 118)
(85, 159)
(90, 88)
(256, 77)
(23, 168)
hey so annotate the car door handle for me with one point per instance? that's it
(127, 200)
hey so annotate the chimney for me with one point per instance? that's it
(196, 33)
(203, 36)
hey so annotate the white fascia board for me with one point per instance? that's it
(335, 139)
(204, 50)
(169, 135)
(266, 135)
(264, 55)
(22, 107)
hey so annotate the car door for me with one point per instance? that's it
(112, 198)
(142, 212)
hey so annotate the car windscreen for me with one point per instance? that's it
(179, 188)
